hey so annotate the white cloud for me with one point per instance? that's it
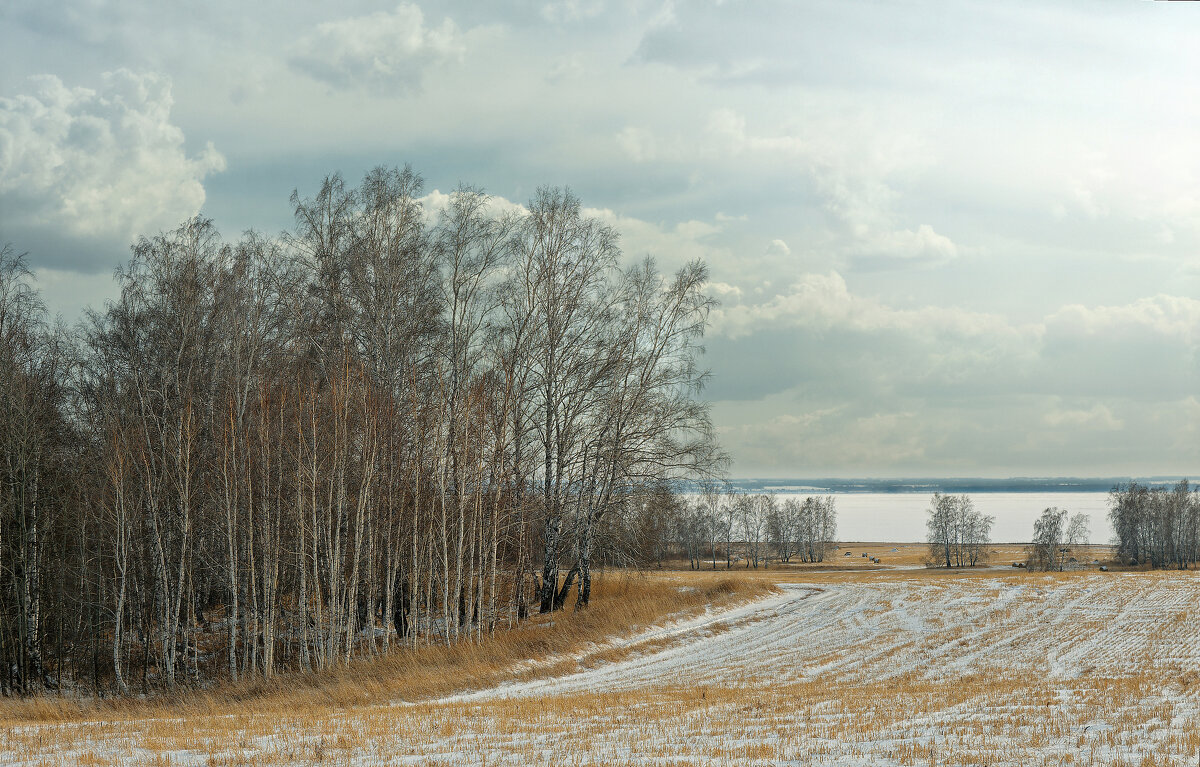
(923, 245)
(560, 11)
(729, 127)
(823, 301)
(778, 247)
(436, 201)
(1176, 318)
(1096, 418)
(1010, 437)
(723, 136)
(387, 50)
(845, 159)
(105, 163)
(723, 291)
(670, 245)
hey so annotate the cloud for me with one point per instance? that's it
(846, 162)
(777, 43)
(1013, 436)
(778, 247)
(1096, 418)
(818, 302)
(563, 11)
(808, 444)
(639, 143)
(1171, 318)
(97, 165)
(565, 69)
(818, 378)
(729, 128)
(904, 245)
(990, 222)
(671, 245)
(435, 202)
(386, 50)
(719, 42)
(89, 22)
(723, 291)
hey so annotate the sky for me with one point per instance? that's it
(949, 239)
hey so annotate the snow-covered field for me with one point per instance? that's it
(895, 668)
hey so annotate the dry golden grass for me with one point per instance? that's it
(980, 721)
(900, 696)
(895, 555)
(622, 603)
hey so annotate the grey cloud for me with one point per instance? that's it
(999, 188)
(1013, 435)
(821, 380)
(572, 11)
(85, 21)
(385, 50)
(784, 43)
(899, 46)
(821, 333)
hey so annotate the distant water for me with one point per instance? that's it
(894, 510)
(900, 517)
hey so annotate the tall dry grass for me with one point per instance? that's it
(623, 602)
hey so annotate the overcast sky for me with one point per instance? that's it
(951, 239)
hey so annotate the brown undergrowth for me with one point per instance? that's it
(623, 603)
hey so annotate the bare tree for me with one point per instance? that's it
(369, 432)
(783, 529)
(958, 534)
(753, 511)
(1048, 550)
(1158, 526)
(816, 528)
(34, 474)
(941, 528)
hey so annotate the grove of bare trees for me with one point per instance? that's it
(1156, 526)
(804, 529)
(1055, 538)
(391, 426)
(715, 528)
(958, 534)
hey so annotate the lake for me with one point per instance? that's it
(900, 517)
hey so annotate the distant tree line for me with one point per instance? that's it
(719, 527)
(390, 426)
(1156, 526)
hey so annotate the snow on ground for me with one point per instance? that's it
(938, 629)
(1096, 668)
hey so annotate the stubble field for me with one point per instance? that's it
(813, 666)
